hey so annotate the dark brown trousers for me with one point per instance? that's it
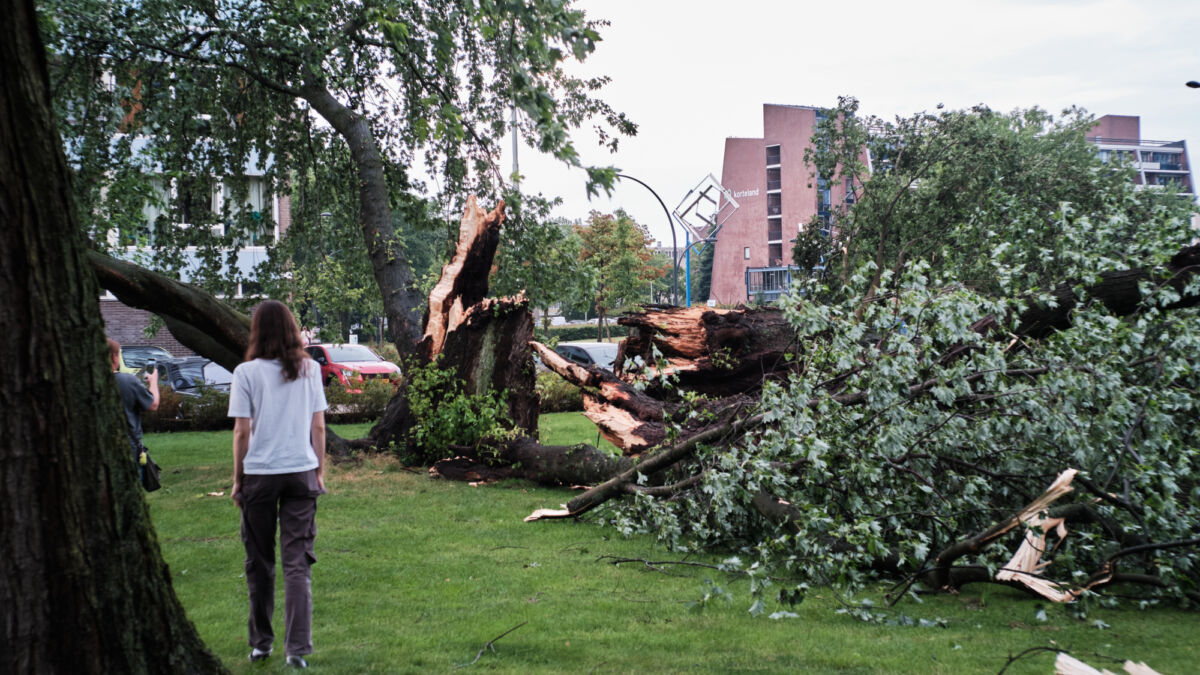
(290, 500)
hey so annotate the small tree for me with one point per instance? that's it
(616, 248)
(540, 255)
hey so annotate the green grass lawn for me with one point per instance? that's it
(417, 575)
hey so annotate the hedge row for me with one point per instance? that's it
(577, 333)
(209, 411)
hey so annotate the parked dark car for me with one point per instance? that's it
(600, 354)
(351, 364)
(188, 376)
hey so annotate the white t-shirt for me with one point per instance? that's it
(280, 415)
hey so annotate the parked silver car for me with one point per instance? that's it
(600, 354)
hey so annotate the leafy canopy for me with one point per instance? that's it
(161, 98)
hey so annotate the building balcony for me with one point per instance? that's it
(768, 284)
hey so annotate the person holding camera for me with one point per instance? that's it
(136, 398)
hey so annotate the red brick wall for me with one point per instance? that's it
(745, 175)
(284, 218)
(124, 324)
(1117, 126)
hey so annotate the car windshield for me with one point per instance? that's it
(136, 357)
(215, 373)
(603, 355)
(191, 373)
(350, 353)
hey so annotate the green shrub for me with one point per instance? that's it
(446, 416)
(366, 405)
(207, 412)
(557, 395)
(577, 333)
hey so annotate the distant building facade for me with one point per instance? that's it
(1160, 164)
(777, 197)
(200, 205)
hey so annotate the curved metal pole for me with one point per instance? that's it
(674, 244)
(687, 254)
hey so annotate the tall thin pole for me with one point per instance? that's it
(687, 266)
(674, 245)
(516, 168)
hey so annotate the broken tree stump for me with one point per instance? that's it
(484, 340)
(716, 352)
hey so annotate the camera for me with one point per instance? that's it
(150, 364)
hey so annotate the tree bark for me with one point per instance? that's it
(464, 280)
(715, 352)
(198, 320)
(85, 589)
(628, 418)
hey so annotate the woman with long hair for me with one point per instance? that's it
(278, 406)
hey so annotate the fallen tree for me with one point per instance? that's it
(895, 417)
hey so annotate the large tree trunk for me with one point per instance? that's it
(85, 588)
(398, 287)
(716, 352)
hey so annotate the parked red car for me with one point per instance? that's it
(351, 365)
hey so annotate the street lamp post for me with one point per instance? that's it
(674, 244)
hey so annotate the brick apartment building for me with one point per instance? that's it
(777, 195)
(1158, 163)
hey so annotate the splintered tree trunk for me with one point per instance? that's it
(85, 588)
(485, 340)
(627, 417)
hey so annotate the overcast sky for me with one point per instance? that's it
(691, 73)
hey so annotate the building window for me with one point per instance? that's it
(774, 180)
(746, 253)
(774, 229)
(775, 253)
(772, 155)
(774, 204)
(194, 199)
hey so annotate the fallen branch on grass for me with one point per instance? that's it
(658, 462)
(490, 645)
